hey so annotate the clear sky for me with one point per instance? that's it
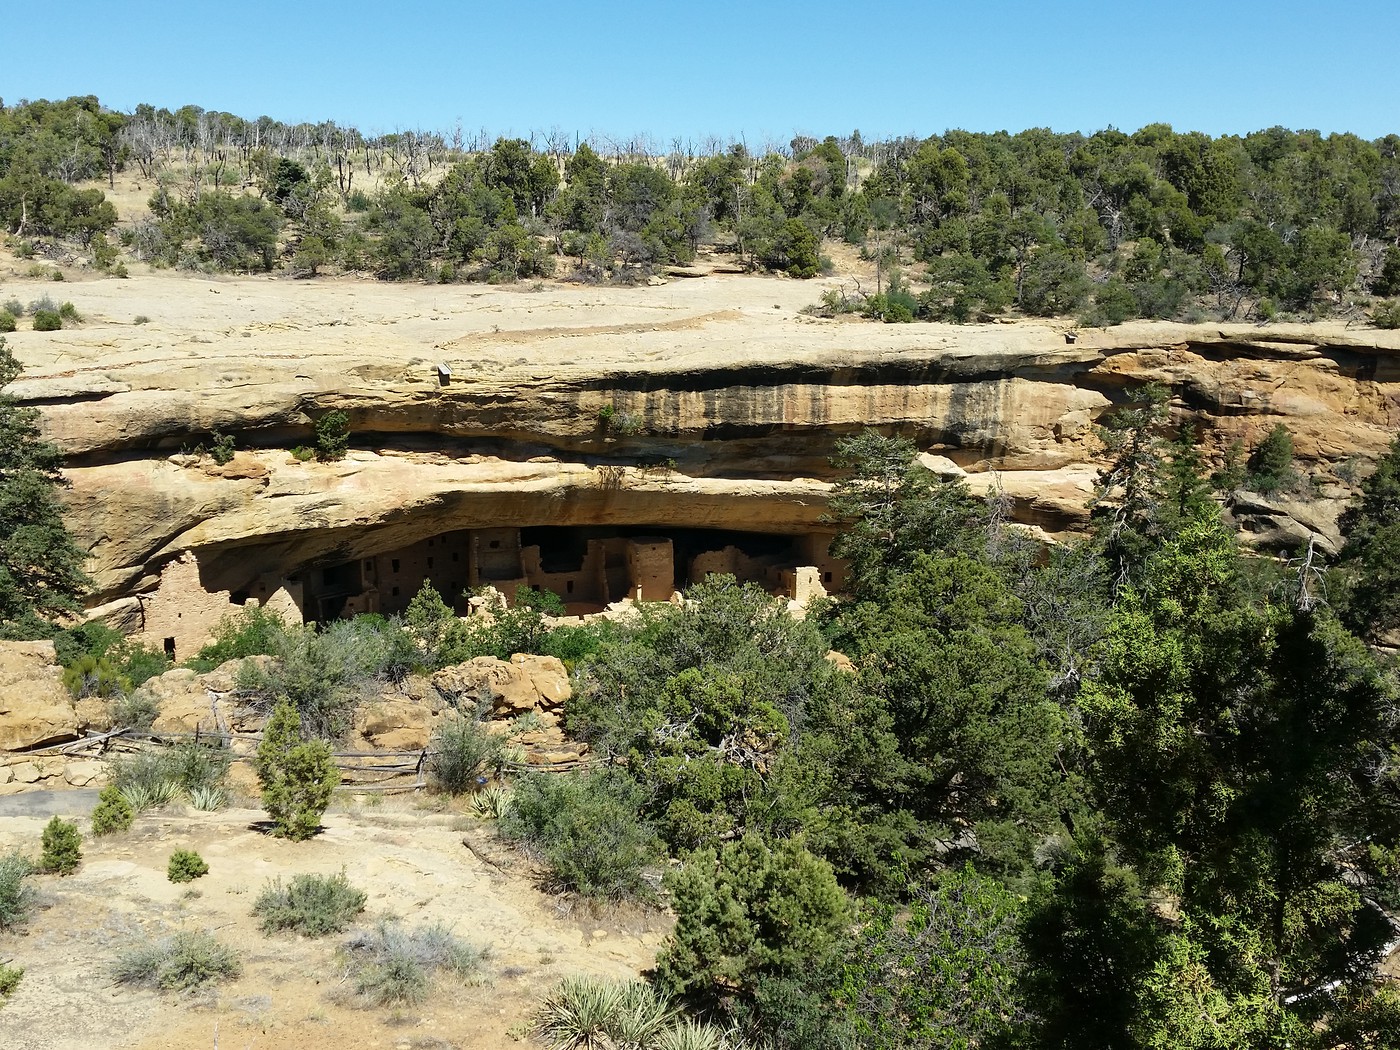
(763, 69)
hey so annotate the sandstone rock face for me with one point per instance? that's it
(35, 707)
(741, 403)
(526, 683)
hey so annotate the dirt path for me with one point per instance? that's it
(292, 993)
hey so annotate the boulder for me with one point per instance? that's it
(35, 706)
(395, 724)
(80, 772)
(184, 701)
(526, 683)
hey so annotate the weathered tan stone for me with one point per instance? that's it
(28, 773)
(184, 702)
(720, 380)
(80, 772)
(840, 661)
(35, 707)
(527, 683)
(395, 724)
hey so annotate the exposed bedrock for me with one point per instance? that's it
(651, 408)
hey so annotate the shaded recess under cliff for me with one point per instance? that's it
(697, 405)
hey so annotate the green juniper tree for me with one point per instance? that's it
(41, 574)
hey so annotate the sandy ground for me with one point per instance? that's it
(293, 991)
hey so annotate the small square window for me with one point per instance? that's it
(395, 592)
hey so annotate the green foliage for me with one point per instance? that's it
(221, 448)
(332, 436)
(69, 312)
(702, 700)
(112, 813)
(1369, 570)
(1270, 465)
(94, 676)
(188, 959)
(157, 776)
(98, 661)
(310, 905)
(15, 894)
(10, 977)
(216, 231)
(748, 912)
(325, 673)
(392, 966)
(1385, 315)
(185, 866)
(892, 507)
(297, 777)
(589, 1011)
(462, 750)
(40, 565)
(941, 970)
(7, 322)
(251, 632)
(588, 828)
(62, 847)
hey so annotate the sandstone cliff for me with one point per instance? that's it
(733, 400)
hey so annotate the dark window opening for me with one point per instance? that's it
(239, 597)
(455, 557)
(826, 577)
(170, 648)
(394, 565)
(495, 544)
(569, 586)
(430, 563)
(395, 592)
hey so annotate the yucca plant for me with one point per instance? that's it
(491, 803)
(579, 1013)
(642, 1016)
(208, 798)
(696, 1035)
(141, 797)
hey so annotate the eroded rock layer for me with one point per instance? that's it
(708, 404)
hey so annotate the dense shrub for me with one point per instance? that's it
(47, 321)
(159, 775)
(112, 813)
(186, 960)
(9, 979)
(462, 750)
(1270, 465)
(7, 321)
(297, 776)
(748, 912)
(588, 828)
(392, 966)
(250, 632)
(185, 866)
(14, 892)
(99, 661)
(312, 905)
(332, 436)
(62, 847)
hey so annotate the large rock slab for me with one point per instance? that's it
(35, 707)
(526, 683)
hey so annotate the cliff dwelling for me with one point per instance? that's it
(588, 567)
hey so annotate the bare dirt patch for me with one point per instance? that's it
(293, 991)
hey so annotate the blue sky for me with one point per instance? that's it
(761, 69)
